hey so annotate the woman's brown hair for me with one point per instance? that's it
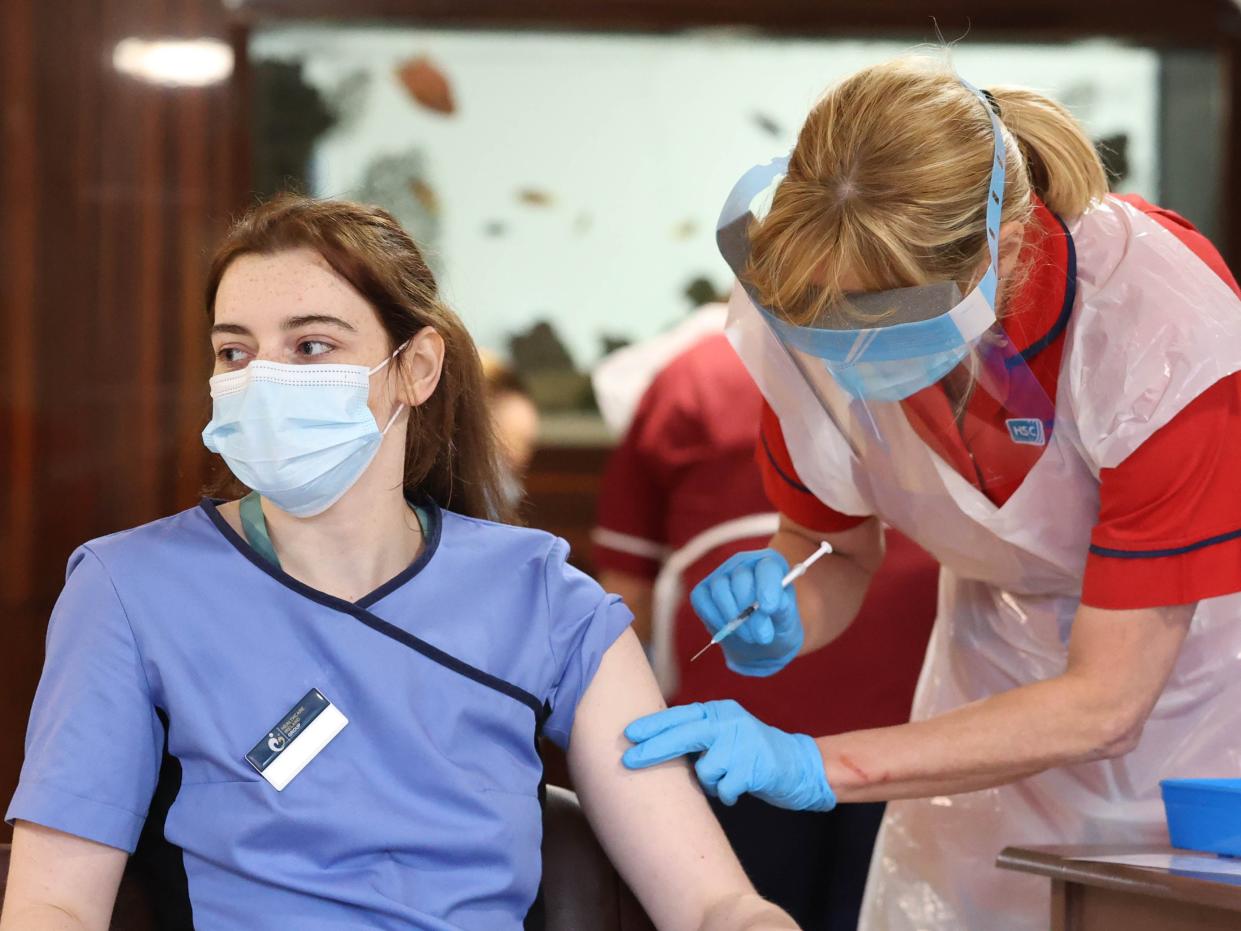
(450, 452)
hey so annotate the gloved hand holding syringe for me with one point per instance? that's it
(793, 575)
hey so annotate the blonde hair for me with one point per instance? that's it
(888, 184)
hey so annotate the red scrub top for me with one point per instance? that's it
(1169, 527)
(687, 464)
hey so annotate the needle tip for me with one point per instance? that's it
(700, 652)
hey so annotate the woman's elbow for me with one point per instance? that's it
(1114, 733)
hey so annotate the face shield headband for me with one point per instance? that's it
(930, 322)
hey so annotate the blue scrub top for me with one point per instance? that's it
(422, 813)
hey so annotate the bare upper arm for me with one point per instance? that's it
(57, 880)
(862, 544)
(1126, 657)
(655, 824)
(832, 591)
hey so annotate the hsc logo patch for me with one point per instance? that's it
(1026, 431)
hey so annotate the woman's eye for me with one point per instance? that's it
(313, 347)
(231, 355)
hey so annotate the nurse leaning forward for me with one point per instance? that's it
(960, 333)
(334, 686)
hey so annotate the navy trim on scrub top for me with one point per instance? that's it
(1175, 551)
(358, 610)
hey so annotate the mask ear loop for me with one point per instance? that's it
(391, 420)
(384, 364)
(380, 367)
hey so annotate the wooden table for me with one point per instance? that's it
(1088, 896)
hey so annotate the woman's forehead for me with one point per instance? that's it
(269, 288)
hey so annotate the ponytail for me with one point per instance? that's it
(1065, 170)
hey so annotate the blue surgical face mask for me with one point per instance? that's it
(299, 435)
(897, 379)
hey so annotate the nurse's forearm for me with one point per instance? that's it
(831, 592)
(988, 743)
(1118, 664)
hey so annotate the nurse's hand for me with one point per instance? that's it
(772, 636)
(739, 754)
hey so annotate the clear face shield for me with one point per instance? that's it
(940, 357)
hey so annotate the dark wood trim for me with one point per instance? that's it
(1061, 864)
(1196, 21)
(19, 230)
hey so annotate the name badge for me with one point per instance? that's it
(307, 728)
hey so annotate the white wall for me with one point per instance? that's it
(641, 134)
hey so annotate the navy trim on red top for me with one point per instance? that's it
(779, 471)
(1070, 296)
(1175, 551)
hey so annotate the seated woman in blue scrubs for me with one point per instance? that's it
(333, 687)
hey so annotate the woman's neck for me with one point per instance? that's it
(367, 538)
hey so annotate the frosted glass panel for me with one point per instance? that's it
(575, 178)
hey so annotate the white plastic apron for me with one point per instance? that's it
(1151, 329)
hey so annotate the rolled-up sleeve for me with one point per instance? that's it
(584, 622)
(94, 741)
(1169, 529)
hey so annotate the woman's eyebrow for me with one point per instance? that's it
(296, 323)
(233, 328)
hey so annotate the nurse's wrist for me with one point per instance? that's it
(761, 667)
(848, 778)
(816, 789)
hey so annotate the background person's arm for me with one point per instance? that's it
(656, 826)
(1119, 662)
(59, 882)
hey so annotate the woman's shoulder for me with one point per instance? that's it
(489, 533)
(136, 548)
(1153, 327)
(508, 550)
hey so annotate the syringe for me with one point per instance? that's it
(794, 574)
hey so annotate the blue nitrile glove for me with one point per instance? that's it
(742, 754)
(772, 636)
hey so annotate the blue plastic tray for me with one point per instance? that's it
(1204, 814)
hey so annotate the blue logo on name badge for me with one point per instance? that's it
(1027, 431)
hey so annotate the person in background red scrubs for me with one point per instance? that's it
(687, 464)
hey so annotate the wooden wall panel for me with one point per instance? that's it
(114, 191)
